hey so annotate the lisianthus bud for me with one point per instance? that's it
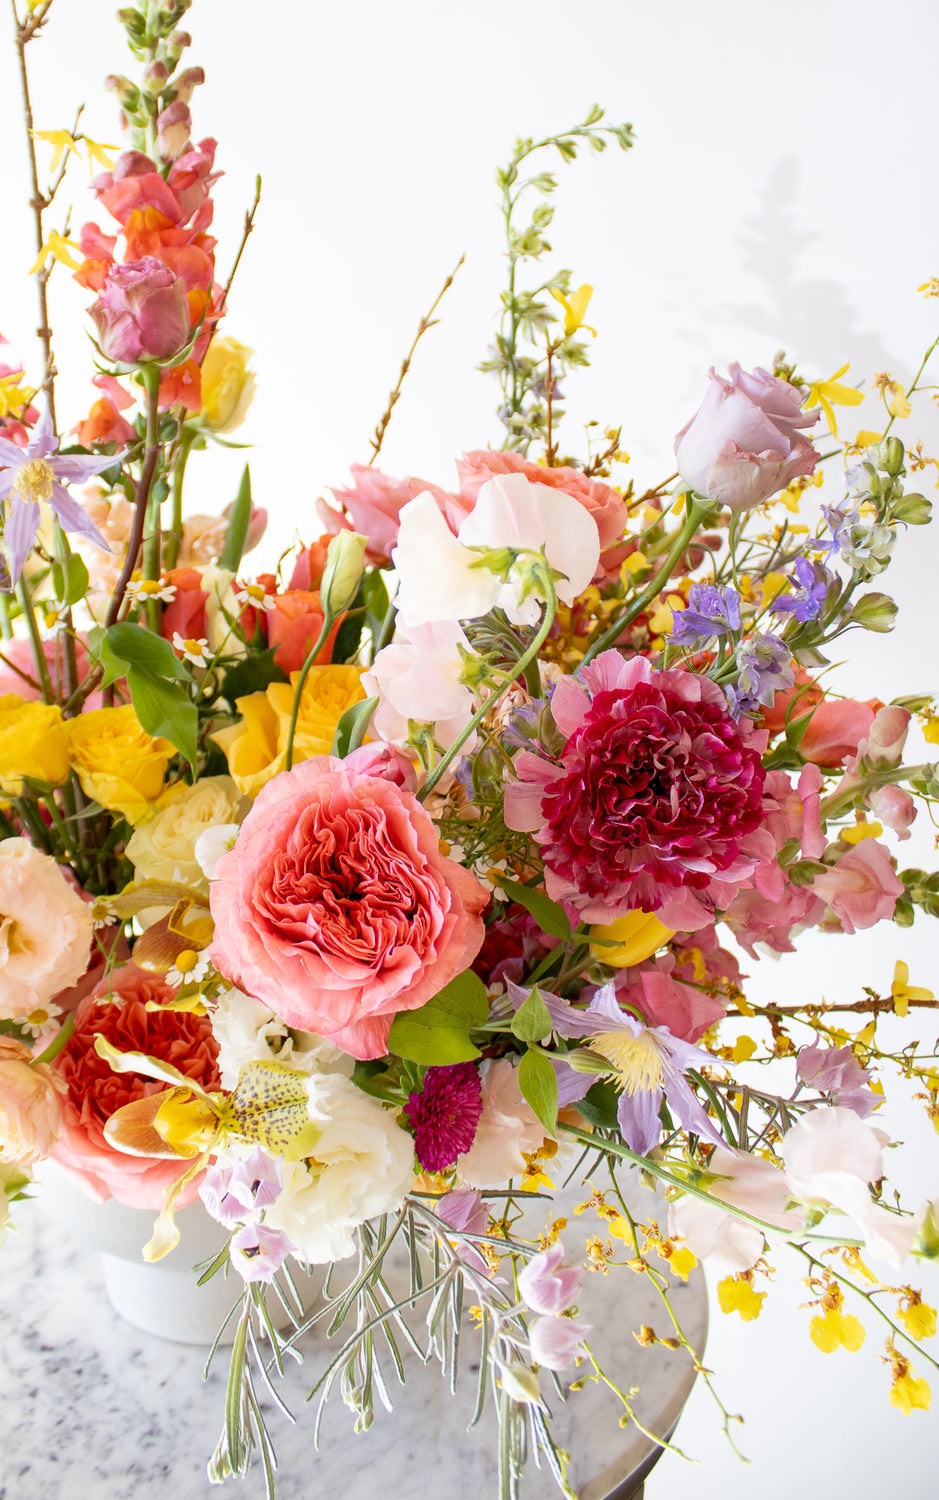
(914, 509)
(227, 385)
(142, 312)
(873, 612)
(345, 557)
(889, 454)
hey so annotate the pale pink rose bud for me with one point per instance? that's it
(546, 1285)
(556, 1342)
(30, 1111)
(886, 737)
(894, 807)
(743, 445)
(174, 127)
(141, 313)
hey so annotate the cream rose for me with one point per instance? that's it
(45, 930)
(361, 1166)
(164, 848)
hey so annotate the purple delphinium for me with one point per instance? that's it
(711, 611)
(33, 473)
(764, 666)
(444, 1115)
(806, 601)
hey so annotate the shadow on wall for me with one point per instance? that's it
(812, 312)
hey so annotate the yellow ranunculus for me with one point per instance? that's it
(118, 763)
(256, 748)
(33, 743)
(227, 385)
(162, 848)
(629, 939)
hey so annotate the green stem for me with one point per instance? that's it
(35, 640)
(919, 372)
(59, 1041)
(697, 511)
(301, 681)
(531, 654)
(175, 534)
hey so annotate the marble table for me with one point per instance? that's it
(93, 1409)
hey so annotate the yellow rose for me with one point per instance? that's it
(162, 849)
(118, 763)
(227, 385)
(33, 743)
(256, 748)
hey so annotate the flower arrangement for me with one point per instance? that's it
(370, 898)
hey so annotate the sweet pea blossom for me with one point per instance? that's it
(546, 1284)
(744, 1182)
(419, 677)
(837, 1072)
(442, 577)
(557, 1342)
(34, 473)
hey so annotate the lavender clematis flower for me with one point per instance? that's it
(711, 611)
(647, 1065)
(807, 600)
(34, 473)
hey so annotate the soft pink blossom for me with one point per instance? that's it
(836, 1071)
(744, 444)
(884, 742)
(606, 505)
(862, 888)
(742, 1181)
(372, 505)
(141, 313)
(45, 930)
(30, 1105)
(546, 1284)
(418, 677)
(336, 907)
(557, 1342)
(508, 1129)
(894, 807)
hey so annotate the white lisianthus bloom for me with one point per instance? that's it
(45, 930)
(362, 1166)
(247, 1031)
(439, 574)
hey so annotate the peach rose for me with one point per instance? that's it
(30, 1108)
(117, 1010)
(336, 908)
(45, 930)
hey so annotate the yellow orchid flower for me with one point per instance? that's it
(830, 393)
(60, 249)
(62, 142)
(575, 308)
(894, 396)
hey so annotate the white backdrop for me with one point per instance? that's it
(781, 193)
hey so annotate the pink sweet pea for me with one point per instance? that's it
(141, 313)
(557, 1342)
(418, 677)
(741, 1181)
(744, 444)
(546, 1284)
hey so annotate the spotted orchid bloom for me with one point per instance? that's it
(645, 1063)
(34, 473)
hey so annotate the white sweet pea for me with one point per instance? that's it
(435, 578)
(418, 677)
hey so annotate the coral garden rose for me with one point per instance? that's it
(117, 1010)
(30, 1107)
(744, 443)
(142, 312)
(336, 907)
(45, 930)
(654, 792)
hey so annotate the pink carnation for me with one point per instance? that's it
(117, 1010)
(652, 796)
(336, 907)
(606, 505)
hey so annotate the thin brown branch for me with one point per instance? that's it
(25, 31)
(135, 539)
(875, 1006)
(249, 226)
(426, 322)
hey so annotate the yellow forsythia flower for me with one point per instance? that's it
(834, 1328)
(227, 385)
(736, 1294)
(629, 939)
(829, 393)
(118, 763)
(908, 1391)
(33, 743)
(903, 992)
(256, 747)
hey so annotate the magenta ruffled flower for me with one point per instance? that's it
(445, 1114)
(653, 794)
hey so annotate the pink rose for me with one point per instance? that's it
(744, 444)
(30, 1108)
(117, 1010)
(606, 505)
(46, 930)
(372, 506)
(336, 908)
(142, 312)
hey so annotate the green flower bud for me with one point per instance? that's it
(889, 455)
(873, 612)
(345, 561)
(927, 1240)
(915, 510)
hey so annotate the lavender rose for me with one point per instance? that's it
(142, 312)
(743, 445)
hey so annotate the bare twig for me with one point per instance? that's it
(249, 225)
(426, 322)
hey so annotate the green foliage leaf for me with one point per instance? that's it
(70, 580)
(238, 523)
(438, 1033)
(539, 1086)
(353, 727)
(123, 646)
(252, 675)
(550, 917)
(165, 709)
(532, 1021)
(599, 1105)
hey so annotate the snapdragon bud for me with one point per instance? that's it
(128, 94)
(176, 44)
(155, 75)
